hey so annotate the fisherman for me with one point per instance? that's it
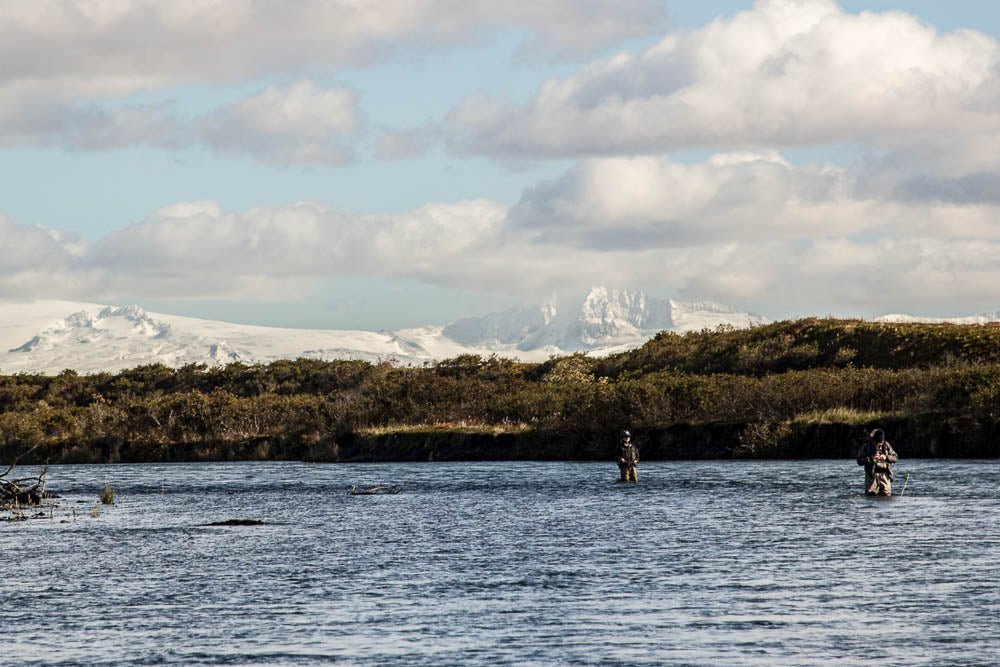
(628, 458)
(877, 456)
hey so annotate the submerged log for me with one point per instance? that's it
(381, 489)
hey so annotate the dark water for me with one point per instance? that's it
(493, 563)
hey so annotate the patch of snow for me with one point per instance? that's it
(699, 315)
(898, 318)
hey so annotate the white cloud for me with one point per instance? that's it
(301, 123)
(785, 73)
(916, 274)
(148, 43)
(25, 246)
(41, 262)
(197, 250)
(739, 228)
(62, 53)
(69, 67)
(94, 128)
(654, 202)
(913, 225)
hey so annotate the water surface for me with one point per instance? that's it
(493, 563)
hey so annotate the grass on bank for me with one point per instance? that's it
(459, 426)
(846, 416)
(841, 415)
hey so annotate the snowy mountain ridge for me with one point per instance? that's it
(606, 319)
(47, 337)
(124, 322)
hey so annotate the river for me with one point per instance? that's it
(778, 562)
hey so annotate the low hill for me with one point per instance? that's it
(809, 344)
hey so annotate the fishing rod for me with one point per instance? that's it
(907, 481)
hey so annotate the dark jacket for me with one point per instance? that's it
(867, 453)
(627, 454)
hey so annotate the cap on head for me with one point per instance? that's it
(626, 434)
(878, 435)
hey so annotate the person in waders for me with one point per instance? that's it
(877, 456)
(628, 458)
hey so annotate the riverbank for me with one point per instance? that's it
(924, 436)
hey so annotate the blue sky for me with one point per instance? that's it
(413, 162)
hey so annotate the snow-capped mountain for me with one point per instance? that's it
(98, 338)
(47, 337)
(606, 319)
(123, 335)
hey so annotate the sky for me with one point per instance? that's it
(378, 164)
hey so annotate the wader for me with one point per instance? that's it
(878, 474)
(628, 458)
(878, 482)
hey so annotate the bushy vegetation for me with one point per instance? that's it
(816, 370)
(107, 493)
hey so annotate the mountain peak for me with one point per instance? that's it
(133, 312)
(603, 319)
(116, 337)
(617, 309)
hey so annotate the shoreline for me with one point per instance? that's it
(924, 436)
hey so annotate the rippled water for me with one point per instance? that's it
(491, 563)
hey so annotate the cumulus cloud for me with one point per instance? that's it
(784, 73)
(30, 115)
(95, 128)
(917, 274)
(747, 228)
(37, 261)
(26, 246)
(147, 43)
(647, 201)
(62, 53)
(197, 250)
(738, 228)
(69, 67)
(912, 225)
(300, 123)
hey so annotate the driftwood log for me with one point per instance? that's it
(22, 491)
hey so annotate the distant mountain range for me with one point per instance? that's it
(49, 336)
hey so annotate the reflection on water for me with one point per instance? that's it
(706, 562)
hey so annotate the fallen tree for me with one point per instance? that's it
(24, 490)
